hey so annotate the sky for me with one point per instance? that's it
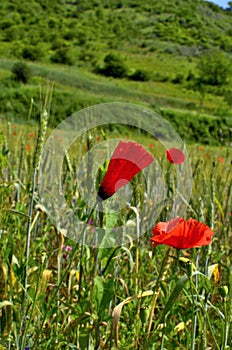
(222, 3)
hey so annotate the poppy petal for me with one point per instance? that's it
(182, 234)
(128, 159)
(175, 155)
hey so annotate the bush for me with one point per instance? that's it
(140, 75)
(178, 79)
(62, 56)
(21, 72)
(32, 53)
(113, 67)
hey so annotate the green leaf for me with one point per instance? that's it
(111, 220)
(204, 281)
(172, 299)
(98, 292)
(17, 212)
(108, 294)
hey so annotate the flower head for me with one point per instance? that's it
(182, 234)
(175, 155)
(128, 159)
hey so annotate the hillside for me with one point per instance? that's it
(88, 28)
(154, 47)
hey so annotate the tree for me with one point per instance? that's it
(214, 68)
(21, 72)
(113, 66)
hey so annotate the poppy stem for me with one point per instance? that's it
(194, 328)
(82, 238)
(193, 338)
(163, 268)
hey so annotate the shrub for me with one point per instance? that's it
(21, 72)
(113, 67)
(140, 75)
(32, 53)
(62, 56)
(178, 79)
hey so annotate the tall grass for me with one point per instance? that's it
(58, 294)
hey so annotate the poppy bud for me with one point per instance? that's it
(223, 291)
(188, 265)
(144, 314)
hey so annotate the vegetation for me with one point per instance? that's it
(173, 57)
(169, 55)
(68, 297)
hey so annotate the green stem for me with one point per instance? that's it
(193, 316)
(82, 235)
(206, 315)
(153, 303)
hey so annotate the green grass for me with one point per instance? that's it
(70, 295)
(54, 297)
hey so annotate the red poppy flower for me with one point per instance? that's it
(128, 159)
(220, 159)
(201, 148)
(175, 155)
(181, 234)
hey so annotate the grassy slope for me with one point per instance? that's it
(163, 38)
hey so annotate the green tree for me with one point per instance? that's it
(21, 72)
(214, 68)
(113, 66)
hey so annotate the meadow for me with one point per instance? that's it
(59, 294)
(90, 288)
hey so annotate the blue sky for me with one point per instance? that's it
(222, 3)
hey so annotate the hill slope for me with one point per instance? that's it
(160, 42)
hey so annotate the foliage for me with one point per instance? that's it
(214, 68)
(200, 128)
(140, 75)
(72, 290)
(114, 66)
(21, 72)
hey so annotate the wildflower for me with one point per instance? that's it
(220, 159)
(32, 134)
(128, 159)
(175, 155)
(68, 248)
(201, 148)
(151, 146)
(91, 221)
(27, 147)
(182, 234)
(14, 133)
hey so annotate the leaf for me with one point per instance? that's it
(111, 220)
(5, 303)
(204, 280)
(98, 292)
(172, 299)
(108, 294)
(219, 207)
(214, 271)
(118, 309)
(18, 213)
